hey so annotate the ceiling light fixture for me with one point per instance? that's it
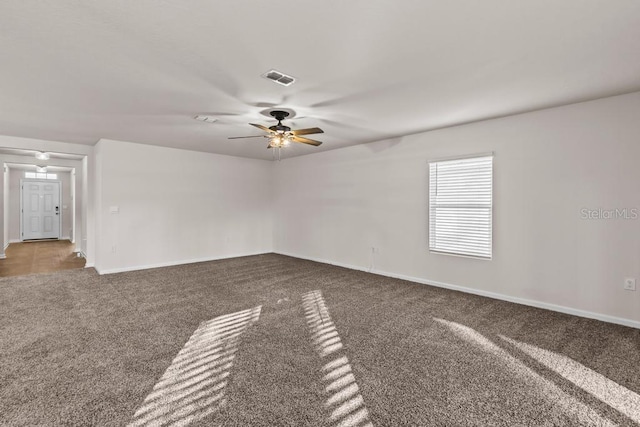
(41, 169)
(278, 142)
(41, 155)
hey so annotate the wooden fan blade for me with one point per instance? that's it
(308, 131)
(240, 137)
(264, 128)
(305, 140)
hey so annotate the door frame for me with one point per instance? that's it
(22, 181)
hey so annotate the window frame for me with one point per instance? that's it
(51, 176)
(491, 207)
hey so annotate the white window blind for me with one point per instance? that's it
(460, 206)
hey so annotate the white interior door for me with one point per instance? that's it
(40, 210)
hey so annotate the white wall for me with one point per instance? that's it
(88, 224)
(14, 204)
(66, 208)
(549, 165)
(177, 206)
(4, 208)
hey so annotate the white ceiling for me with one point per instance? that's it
(78, 71)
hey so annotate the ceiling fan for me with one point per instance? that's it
(280, 135)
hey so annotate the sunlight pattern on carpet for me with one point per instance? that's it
(613, 394)
(193, 386)
(584, 414)
(345, 404)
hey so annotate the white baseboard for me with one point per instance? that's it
(83, 255)
(6, 246)
(494, 295)
(20, 241)
(172, 263)
(59, 238)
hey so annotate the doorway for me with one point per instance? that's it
(40, 209)
(71, 168)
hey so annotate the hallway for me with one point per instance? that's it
(39, 257)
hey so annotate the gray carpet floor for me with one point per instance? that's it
(271, 340)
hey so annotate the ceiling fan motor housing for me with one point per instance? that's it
(280, 128)
(279, 115)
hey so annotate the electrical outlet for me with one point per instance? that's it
(630, 284)
(113, 249)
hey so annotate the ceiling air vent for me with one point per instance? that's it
(279, 77)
